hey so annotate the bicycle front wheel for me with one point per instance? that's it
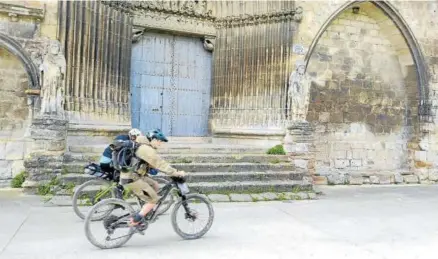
(195, 208)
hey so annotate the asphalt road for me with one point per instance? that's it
(346, 222)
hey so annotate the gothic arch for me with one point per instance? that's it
(15, 48)
(412, 43)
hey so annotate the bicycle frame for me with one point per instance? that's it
(165, 191)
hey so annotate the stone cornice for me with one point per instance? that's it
(20, 10)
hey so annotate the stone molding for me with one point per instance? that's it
(14, 10)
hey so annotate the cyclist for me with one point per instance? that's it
(106, 158)
(138, 181)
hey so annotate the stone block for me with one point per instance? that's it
(5, 170)
(17, 167)
(324, 117)
(433, 176)
(219, 197)
(340, 154)
(15, 150)
(301, 163)
(366, 180)
(422, 173)
(349, 154)
(355, 179)
(269, 196)
(374, 179)
(2, 151)
(385, 179)
(336, 178)
(420, 155)
(240, 197)
(410, 179)
(356, 162)
(341, 163)
(319, 180)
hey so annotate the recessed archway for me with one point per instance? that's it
(14, 47)
(369, 82)
(412, 43)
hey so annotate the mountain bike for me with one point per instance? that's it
(105, 186)
(114, 220)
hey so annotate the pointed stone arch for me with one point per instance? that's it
(412, 43)
(15, 48)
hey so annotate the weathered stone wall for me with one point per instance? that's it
(13, 115)
(365, 93)
(28, 25)
(360, 95)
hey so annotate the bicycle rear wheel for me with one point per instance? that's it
(90, 193)
(117, 218)
(191, 209)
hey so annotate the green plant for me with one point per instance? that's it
(276, 150)
(70, 187)
(49, 187)
(282, 197)
(275, 161)
(18, 180)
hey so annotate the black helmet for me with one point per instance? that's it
(156, 134)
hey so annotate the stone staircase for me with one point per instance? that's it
(220, 171)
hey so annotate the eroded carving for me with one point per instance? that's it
(273, 17)
(195, 8)
(298, 93)
(209, 43)
(52, 81)
(136, 34)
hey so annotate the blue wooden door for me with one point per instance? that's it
(171, 81)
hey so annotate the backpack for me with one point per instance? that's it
(123, 155)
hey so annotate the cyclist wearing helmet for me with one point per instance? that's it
(140, 184)
(106, 158)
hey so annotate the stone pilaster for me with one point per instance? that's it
(298, 144)
(49, 143)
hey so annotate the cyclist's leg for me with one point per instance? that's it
(146, 193)
(152, 183)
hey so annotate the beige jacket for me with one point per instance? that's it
(149, 154)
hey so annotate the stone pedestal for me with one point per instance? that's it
(298, 144)
(46, 158)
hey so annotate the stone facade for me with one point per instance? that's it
(372, 66)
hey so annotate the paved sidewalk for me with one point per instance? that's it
(347, 222)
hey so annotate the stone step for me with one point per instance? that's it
(251, 186)
(244, 187)
(208, 167)
(196, 177)
(180, 149)
(193, 158)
